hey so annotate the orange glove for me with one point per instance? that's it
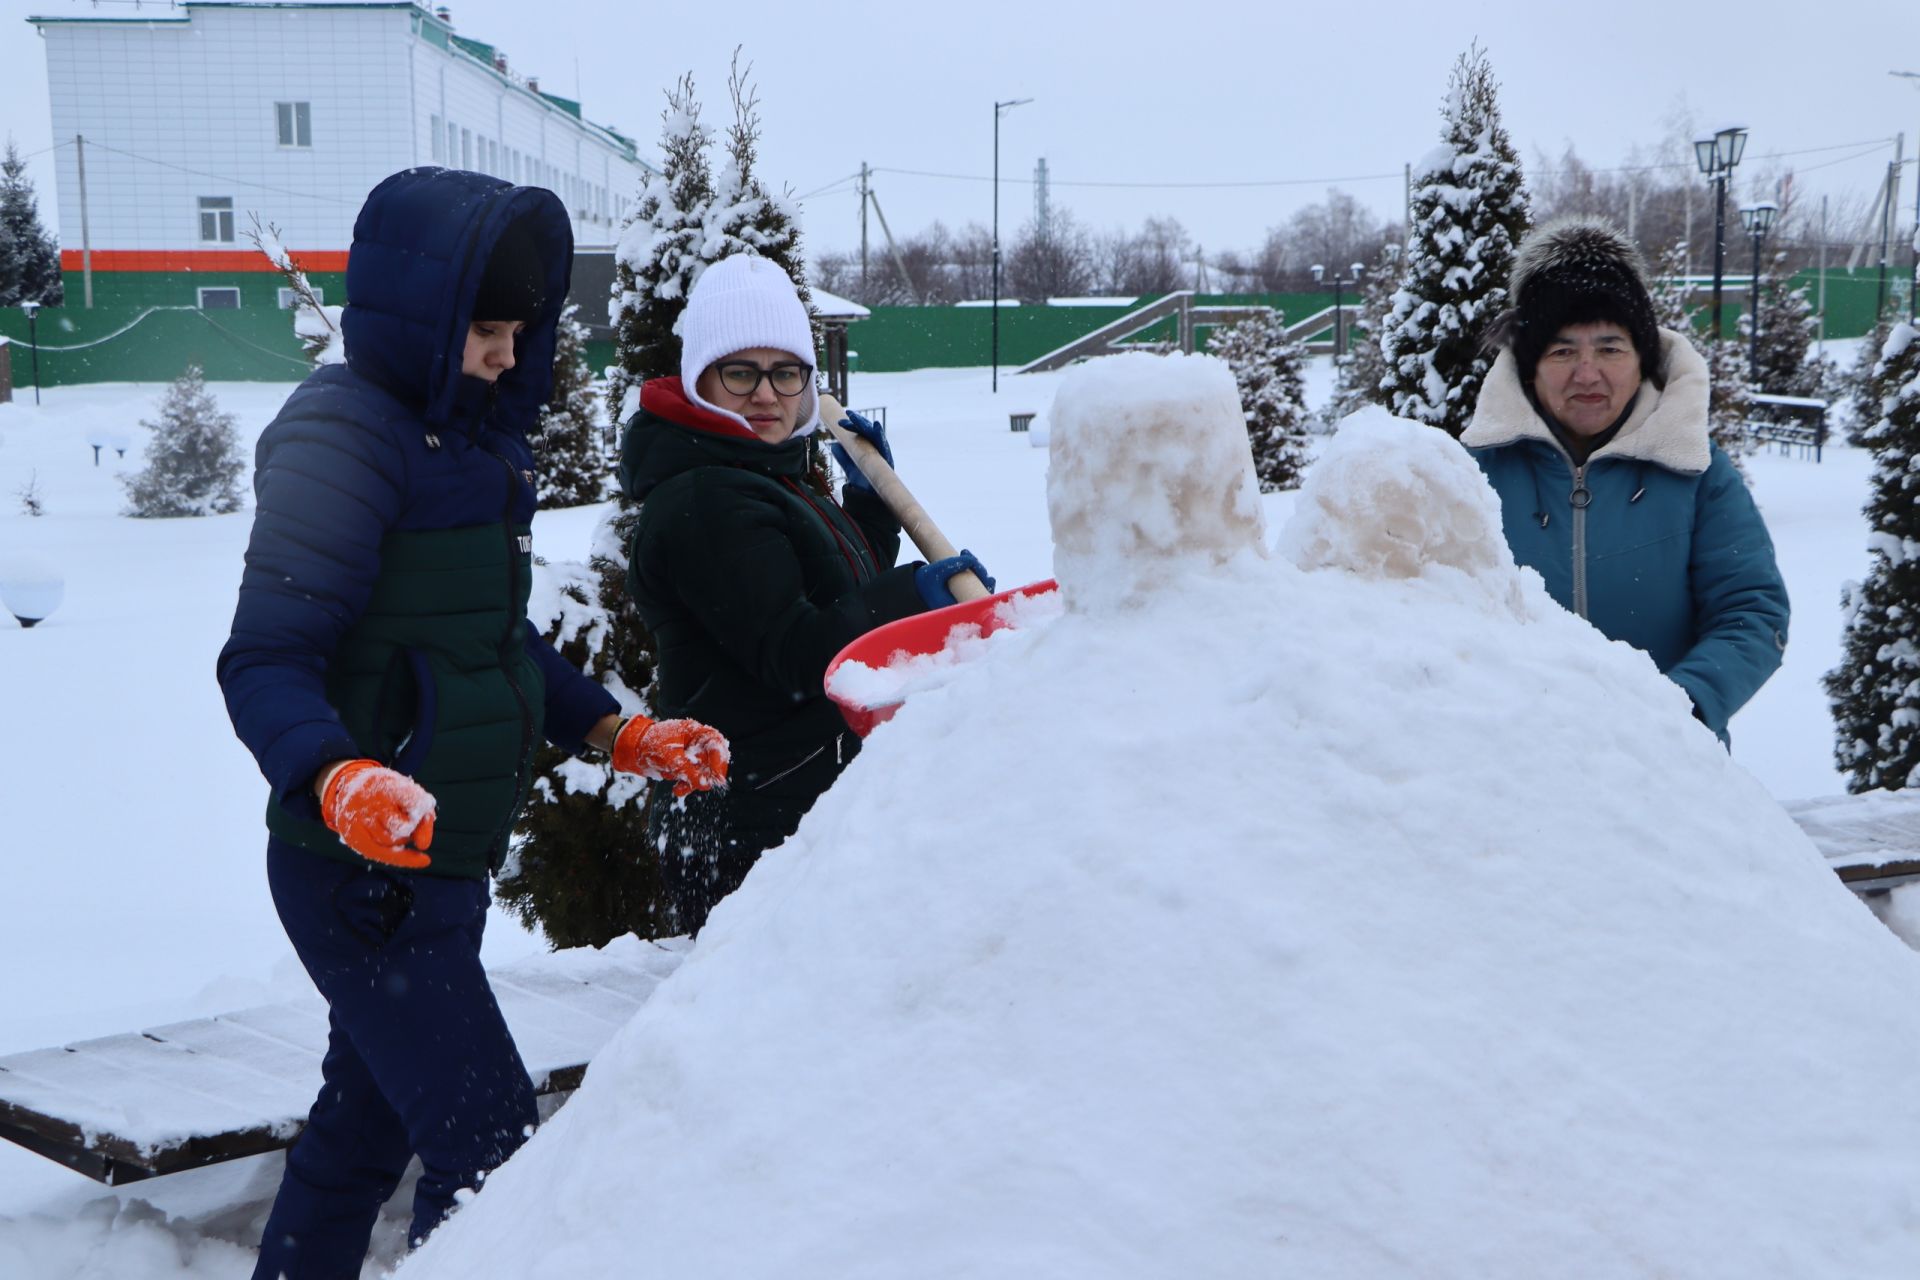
(381, 815)
(693, 755)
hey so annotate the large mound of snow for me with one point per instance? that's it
(1373, 918)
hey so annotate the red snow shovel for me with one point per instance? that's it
(924, 633)
(918, 636)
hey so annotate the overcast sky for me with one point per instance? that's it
(1160, 95)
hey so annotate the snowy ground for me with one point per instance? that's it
(133, 816)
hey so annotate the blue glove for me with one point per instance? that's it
(870, 431)
(930, 580)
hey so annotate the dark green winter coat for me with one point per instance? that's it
(750, 582)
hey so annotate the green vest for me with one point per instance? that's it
(434, 680)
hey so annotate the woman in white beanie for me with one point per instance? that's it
(749, 577)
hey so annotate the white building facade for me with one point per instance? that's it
(175, 132)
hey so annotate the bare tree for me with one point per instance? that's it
(1050, 260)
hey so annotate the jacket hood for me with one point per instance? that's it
(420, 248)
(1667, 427)
(671, 435)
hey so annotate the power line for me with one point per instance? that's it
(1397, 175)
(217, 177)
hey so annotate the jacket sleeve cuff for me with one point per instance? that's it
(575, 703)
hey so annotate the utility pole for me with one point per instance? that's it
(1888, 205)
(1822, 309)
(864, 173)
(86, 239)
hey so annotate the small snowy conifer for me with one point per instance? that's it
(1876, 689)
(1860, 390)
(568, 452)
(193, 461)
(1266, 365)
(1361, 379)
(1788, 329)
(31, 501)
(1470, 210)
(29, 259)
(1728, 403)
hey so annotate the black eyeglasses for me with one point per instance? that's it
(742, 377)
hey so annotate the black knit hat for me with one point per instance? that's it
(1578, 270)
(515, 284)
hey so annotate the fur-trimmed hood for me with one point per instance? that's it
(1668, 426)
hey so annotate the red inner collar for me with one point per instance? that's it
(666, 398)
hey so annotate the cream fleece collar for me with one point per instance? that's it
(1667, 427)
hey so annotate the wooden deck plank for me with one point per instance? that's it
(126, 1107)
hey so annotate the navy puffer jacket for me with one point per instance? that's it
(382, 607)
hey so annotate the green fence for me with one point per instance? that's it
(154, 344)
(132, 336)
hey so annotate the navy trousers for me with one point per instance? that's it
(419, 1060)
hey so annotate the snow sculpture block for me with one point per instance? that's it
(1150, 476)
(1393, 499)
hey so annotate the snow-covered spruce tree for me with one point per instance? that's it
(1361, 379)
(582, 869)
(1875, 690)
(1266, 365)
(1788, 329)
(1470, 210)
(1728, 394)
(568, 452)
(29, 259)
(1859, 389)
(194, 462)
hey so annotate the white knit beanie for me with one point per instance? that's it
(743, 301)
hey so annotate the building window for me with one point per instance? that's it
(453, 141)
(295, 123)
(216, 219)
(466, 148)
(219, 299)
(493, 158)
(436, 140)
(289, 299)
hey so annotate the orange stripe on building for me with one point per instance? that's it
(225, 260)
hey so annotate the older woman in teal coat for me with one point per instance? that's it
(1592, 429)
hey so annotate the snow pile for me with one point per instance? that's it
(1328, 922)
(1426, 512)
(1150, 476)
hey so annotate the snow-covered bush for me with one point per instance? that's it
(194, 463)
(1875, 690)
(1470, 209)
(1267, 367)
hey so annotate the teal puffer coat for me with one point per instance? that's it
(1655, 539)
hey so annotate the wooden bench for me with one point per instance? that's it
(1789, 422)
(129, 1107)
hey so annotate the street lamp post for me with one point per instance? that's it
(1759, 220)
(1320, 277)
(999, 109)
(33, 341)
(1717, 157)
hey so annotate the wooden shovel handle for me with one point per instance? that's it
(913, 517)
